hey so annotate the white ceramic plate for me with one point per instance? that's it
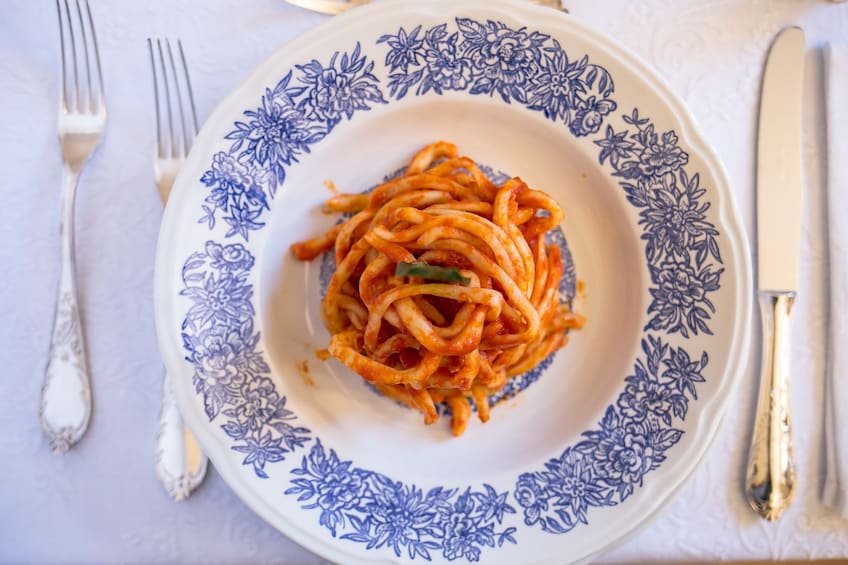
(600, 436)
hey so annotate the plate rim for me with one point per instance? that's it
(686, 127)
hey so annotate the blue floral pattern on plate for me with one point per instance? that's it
(292, 116)
(229, 373)
(491, 58)
(377, 511)
(680, 244)
(631, 441)
(483, 59)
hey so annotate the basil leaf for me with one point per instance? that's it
(431, 272)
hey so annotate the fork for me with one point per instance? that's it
(66, 394)
(180, 464)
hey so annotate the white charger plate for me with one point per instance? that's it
(599, 437)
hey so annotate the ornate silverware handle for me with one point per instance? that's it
(771, 469)
(180, 464)
(66, 394)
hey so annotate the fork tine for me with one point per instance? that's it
(65, 104)
(188, 87)
(101, 100)
(179, 99)
(89, 100)
(173, 139)
(159, 145)
(76, 105)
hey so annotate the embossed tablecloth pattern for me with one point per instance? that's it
(101, 501)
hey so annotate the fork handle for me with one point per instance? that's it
(66, 394)
(180, 463)
(771, 469)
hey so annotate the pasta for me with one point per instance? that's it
(444, 287)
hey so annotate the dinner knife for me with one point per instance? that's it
(771, 469)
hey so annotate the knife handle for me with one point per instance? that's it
(771, 468)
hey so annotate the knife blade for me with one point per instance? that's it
(771, 470)
(779, 164)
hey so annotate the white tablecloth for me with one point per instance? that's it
(101, 502)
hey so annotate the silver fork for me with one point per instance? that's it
(66, 394)
(180, 464)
